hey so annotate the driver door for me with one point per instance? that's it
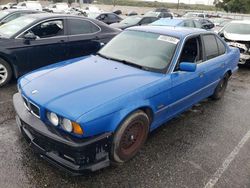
(49, 46)
(187, 86)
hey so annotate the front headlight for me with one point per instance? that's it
(53, 118)
(70, 126)
(67, 125)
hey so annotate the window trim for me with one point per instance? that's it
(86, 34)
(182, 46)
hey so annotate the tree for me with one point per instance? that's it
(241, 6)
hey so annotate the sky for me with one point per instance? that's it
(206, 2)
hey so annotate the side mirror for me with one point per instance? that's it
(30, 36)
(188, 67)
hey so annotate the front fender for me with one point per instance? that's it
(110, 122)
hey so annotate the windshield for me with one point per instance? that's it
(3, 14)
(238, 28)
(146, 50)
(131, 20)
(11, 28)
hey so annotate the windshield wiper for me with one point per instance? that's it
(123, 61)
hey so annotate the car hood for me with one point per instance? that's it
(236, 37)
(73, 89)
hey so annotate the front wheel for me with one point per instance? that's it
(221, 87)
(5, 72)
(130, 137)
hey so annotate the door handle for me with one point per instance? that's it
(201, 74)
(62, 41)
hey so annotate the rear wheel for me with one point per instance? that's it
(5, 72)
(221, 87)
(130, 137)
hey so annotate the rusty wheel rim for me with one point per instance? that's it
(132, 138)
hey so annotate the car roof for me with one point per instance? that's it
(178, 32)
(45, 15)
(168, 21)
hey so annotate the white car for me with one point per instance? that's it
(195, 15)
(30, 5)
(237, 34)
(7, 6)
(58, 8)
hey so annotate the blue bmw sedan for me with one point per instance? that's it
(84, 113)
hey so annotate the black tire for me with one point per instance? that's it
(5, 72)
(221, 88)
(125, 144)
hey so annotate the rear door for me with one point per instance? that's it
(50, 45)
(83, 37)
(215, 60)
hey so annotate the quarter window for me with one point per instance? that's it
(48, 29)
(221, 46)
(78, 26)
(211, 47)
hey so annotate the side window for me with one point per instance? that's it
(191, 52)
(211, 48)
(221, 46)
(197, 24)
(49, 29)
(145, 21)
(23, 5)
(188, 23)
(78, 26)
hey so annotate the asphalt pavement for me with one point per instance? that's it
(207, 146)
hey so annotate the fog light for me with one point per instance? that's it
(53, 118)
(67, 125)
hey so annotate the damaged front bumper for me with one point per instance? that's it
(75, 156)
(244, 51)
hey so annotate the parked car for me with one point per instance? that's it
(206, 24)
(161, 10)
(237, 34)
(117, 12)
(57, 8)
(159, 14)
(36, 40)
(31, 5)
(134, 21)
(84, 113)
(106, 17)
(195, 15)
(131, 13)
(177, 22)
(7, 6)
(11, 14)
